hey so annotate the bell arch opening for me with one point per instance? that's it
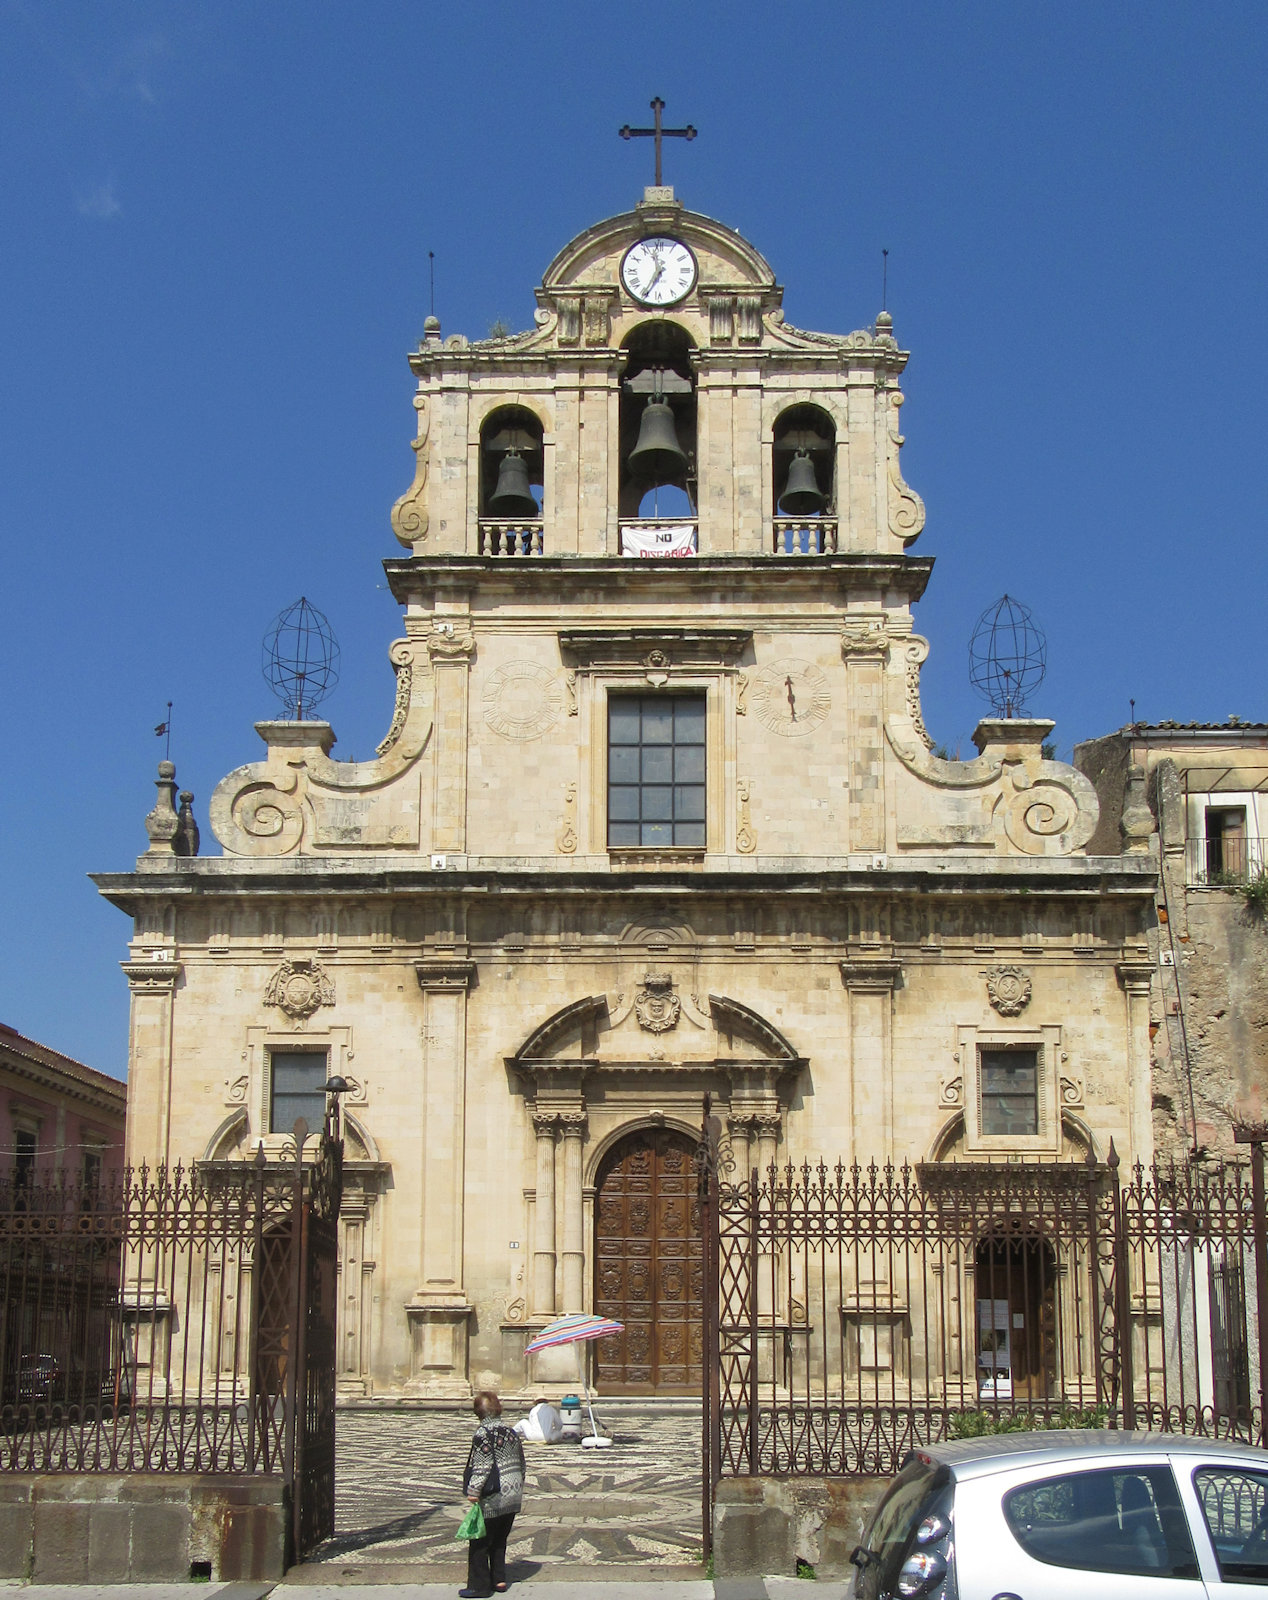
(658, 419)
(648, 1264)
(804, 449)
(512, 465)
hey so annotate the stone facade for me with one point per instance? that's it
(851, 925)
(1194, 797)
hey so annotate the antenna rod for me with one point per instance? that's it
(165, 728)
(431, 270)
(884, 280)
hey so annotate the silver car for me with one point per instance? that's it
(1080, 1515)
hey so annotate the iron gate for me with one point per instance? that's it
(851, 1314)
(177, 1320)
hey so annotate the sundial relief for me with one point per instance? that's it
(522, 700)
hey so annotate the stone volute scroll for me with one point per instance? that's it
(299, 801)
(410, 517)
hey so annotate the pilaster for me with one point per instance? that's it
(865, 649)
(574, 1127)
(153, 987)
(439, 1310)
(1136, 978)
(870, 1060)
(451, 645)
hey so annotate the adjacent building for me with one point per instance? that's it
(57, 1116)
(655, 816)
(1196, 795)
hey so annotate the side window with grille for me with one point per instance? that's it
(1009, 1085)
(295, 1089)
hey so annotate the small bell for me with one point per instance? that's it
(658, 457)
(513, 497)
(802, 496)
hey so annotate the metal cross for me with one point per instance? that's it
(657, 132)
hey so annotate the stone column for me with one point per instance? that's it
(574, 1130)
(153, 985)
(1137, 980)
(865, 648)
(869, 1056)
(439, 1310)
(767, 1128)
(544, 1123)
(451, 645)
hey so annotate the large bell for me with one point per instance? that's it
(513, 497)
(802, 496)
(658, 457)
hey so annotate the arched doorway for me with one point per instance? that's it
(648, 1265)
(1016, 1290)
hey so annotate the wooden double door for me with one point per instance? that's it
(649, 1265)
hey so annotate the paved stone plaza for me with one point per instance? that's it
(635, 1506)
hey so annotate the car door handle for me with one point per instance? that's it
(1006, 1594)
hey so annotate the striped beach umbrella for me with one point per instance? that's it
(576, 1326)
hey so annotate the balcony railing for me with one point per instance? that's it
(510, 538)
(1224, 860)
(805, 536)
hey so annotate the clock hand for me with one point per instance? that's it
(792, 699)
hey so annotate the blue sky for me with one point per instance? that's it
(214, 259)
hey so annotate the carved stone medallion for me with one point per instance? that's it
(791, 697)
(656, 1005)
(522, 700)
(298, 988)
(1008, 989)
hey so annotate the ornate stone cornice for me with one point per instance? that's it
(436, 977)
(152, 977)
(663, 647)
(879, 976)
(1136, 977)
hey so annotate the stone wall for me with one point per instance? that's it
(762, 1527)
(116, 1528)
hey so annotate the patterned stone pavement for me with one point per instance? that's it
(399, 1502)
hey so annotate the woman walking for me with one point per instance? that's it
(495, 1480)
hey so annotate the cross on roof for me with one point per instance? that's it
(657, 132)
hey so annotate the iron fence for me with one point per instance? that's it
(855, 1313)
(158, 1322)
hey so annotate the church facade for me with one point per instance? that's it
(656, 816)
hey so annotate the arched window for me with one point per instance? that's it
(658, 425)
(804, 481)
(512, 473)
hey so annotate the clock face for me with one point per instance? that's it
(791, 697)
(659, 272)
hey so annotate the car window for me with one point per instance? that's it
(1235, 1505)
(1111, 1520)
(894, 1522)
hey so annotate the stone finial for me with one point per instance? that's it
(884, 325)
(431, 330)
(162, 823)
(186, 841)
(1137, 822)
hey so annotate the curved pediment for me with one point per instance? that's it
(622, 1030)
(592, 260)
(564, 1025)
(735, 1020)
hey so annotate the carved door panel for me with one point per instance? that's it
(649, 1272)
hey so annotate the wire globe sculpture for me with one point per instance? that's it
(1008, 656)
(301, 659)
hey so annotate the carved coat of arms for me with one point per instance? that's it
(655, 1004)
(1008, 989)
(298, 988)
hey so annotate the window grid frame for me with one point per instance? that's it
(681, 789)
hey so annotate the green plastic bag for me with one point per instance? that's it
(472, 1525)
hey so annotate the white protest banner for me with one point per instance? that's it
(657, 539)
